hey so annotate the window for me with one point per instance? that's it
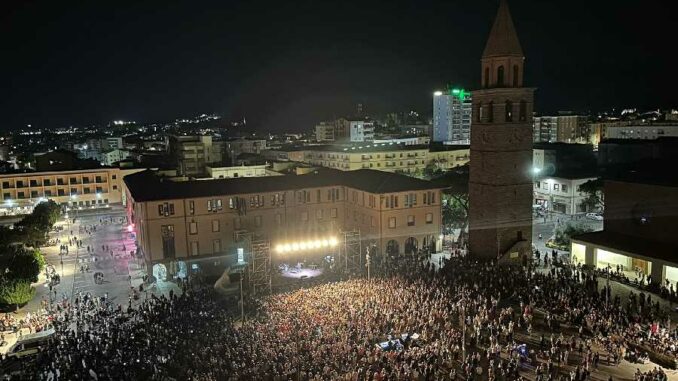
(522, 115)
(410, 200)
(215, 205)
(193, 228)
(515, 75)
(564, 188)
(536, 184)
(333, 213)
(410, 220)
(319, 214)
(556, 187)
(114, 177)
(98, 189)
(34, 194)
(508, 109)
(166, 209)
(318, 196)
(500, 76)
(304, 216)
(20, 195)
(194, 248)
(86, 190)
(74, 191)
(191, 207)
(115, 187)
(5, 184)
(216, 246)
(48, 193)
(73, 180)
(429, 218)
(392, 223)
(490, 112)
(258, 221)
(278, 219)
(487, 77)
(47, 182)
(6, 196)
(546, 186)
(215, 225)
(34, 183)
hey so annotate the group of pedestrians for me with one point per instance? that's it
(471, 320)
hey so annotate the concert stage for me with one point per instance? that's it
(302, 273)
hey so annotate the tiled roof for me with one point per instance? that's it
(146, 186)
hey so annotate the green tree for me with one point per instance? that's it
(594, 196)
(455, 211)
(22, 263)
(564, 233)
(16, 292)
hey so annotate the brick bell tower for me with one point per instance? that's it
(500, 184)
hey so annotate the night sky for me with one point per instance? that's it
(285, 65)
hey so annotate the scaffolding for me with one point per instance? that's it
(350, 252)
(258, 252)
(260, 266)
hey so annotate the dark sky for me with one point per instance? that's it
(287, 64)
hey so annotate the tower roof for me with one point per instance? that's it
(503, 40)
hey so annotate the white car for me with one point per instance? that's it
(594, 216)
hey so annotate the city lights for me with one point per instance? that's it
(328, 242)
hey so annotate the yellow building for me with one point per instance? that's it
(386, 157)
(193, 220)
(82, 188)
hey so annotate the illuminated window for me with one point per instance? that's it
(429, 218)
(193, 228)
(410, 220)
(215, 225)
(392, 222)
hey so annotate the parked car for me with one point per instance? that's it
(594, 216)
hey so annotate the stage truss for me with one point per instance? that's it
(350, 252)
(259, 268)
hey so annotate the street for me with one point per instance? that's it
(546, 227)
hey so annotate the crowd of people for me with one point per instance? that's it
(472, 320)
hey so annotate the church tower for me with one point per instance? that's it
(500, 184)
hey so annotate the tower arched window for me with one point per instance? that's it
(509, 111)
(490, 112)
(487, 77)
(522, 115)
(500, 76)
(515, 75)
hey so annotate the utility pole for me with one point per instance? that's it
(367, 262)
(242, 300)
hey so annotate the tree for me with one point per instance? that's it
(595, 197)
(15, 292)
(22, 263)
(564, 233)
(455, 200)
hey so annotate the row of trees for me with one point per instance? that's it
(20, 258)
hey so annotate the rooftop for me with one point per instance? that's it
(147, 186)
(631, 244)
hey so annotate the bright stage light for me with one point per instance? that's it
(333, 241)
(325, 243)
(279, 248)
(287, 247)
(317, 244)
(302, 245)
(295, 246)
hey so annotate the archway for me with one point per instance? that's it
(160, 271)
(392, 248)
(411, 245)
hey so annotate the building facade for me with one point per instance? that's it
(387, 157)
(561, 128)
(452, 115)
(193, 153)
(561, 194)
(76, 188)
(640, 221)
(324, 132)
(500, 180)
(194, 220)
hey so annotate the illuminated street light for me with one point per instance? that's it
(536, 170)
(438, 93)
